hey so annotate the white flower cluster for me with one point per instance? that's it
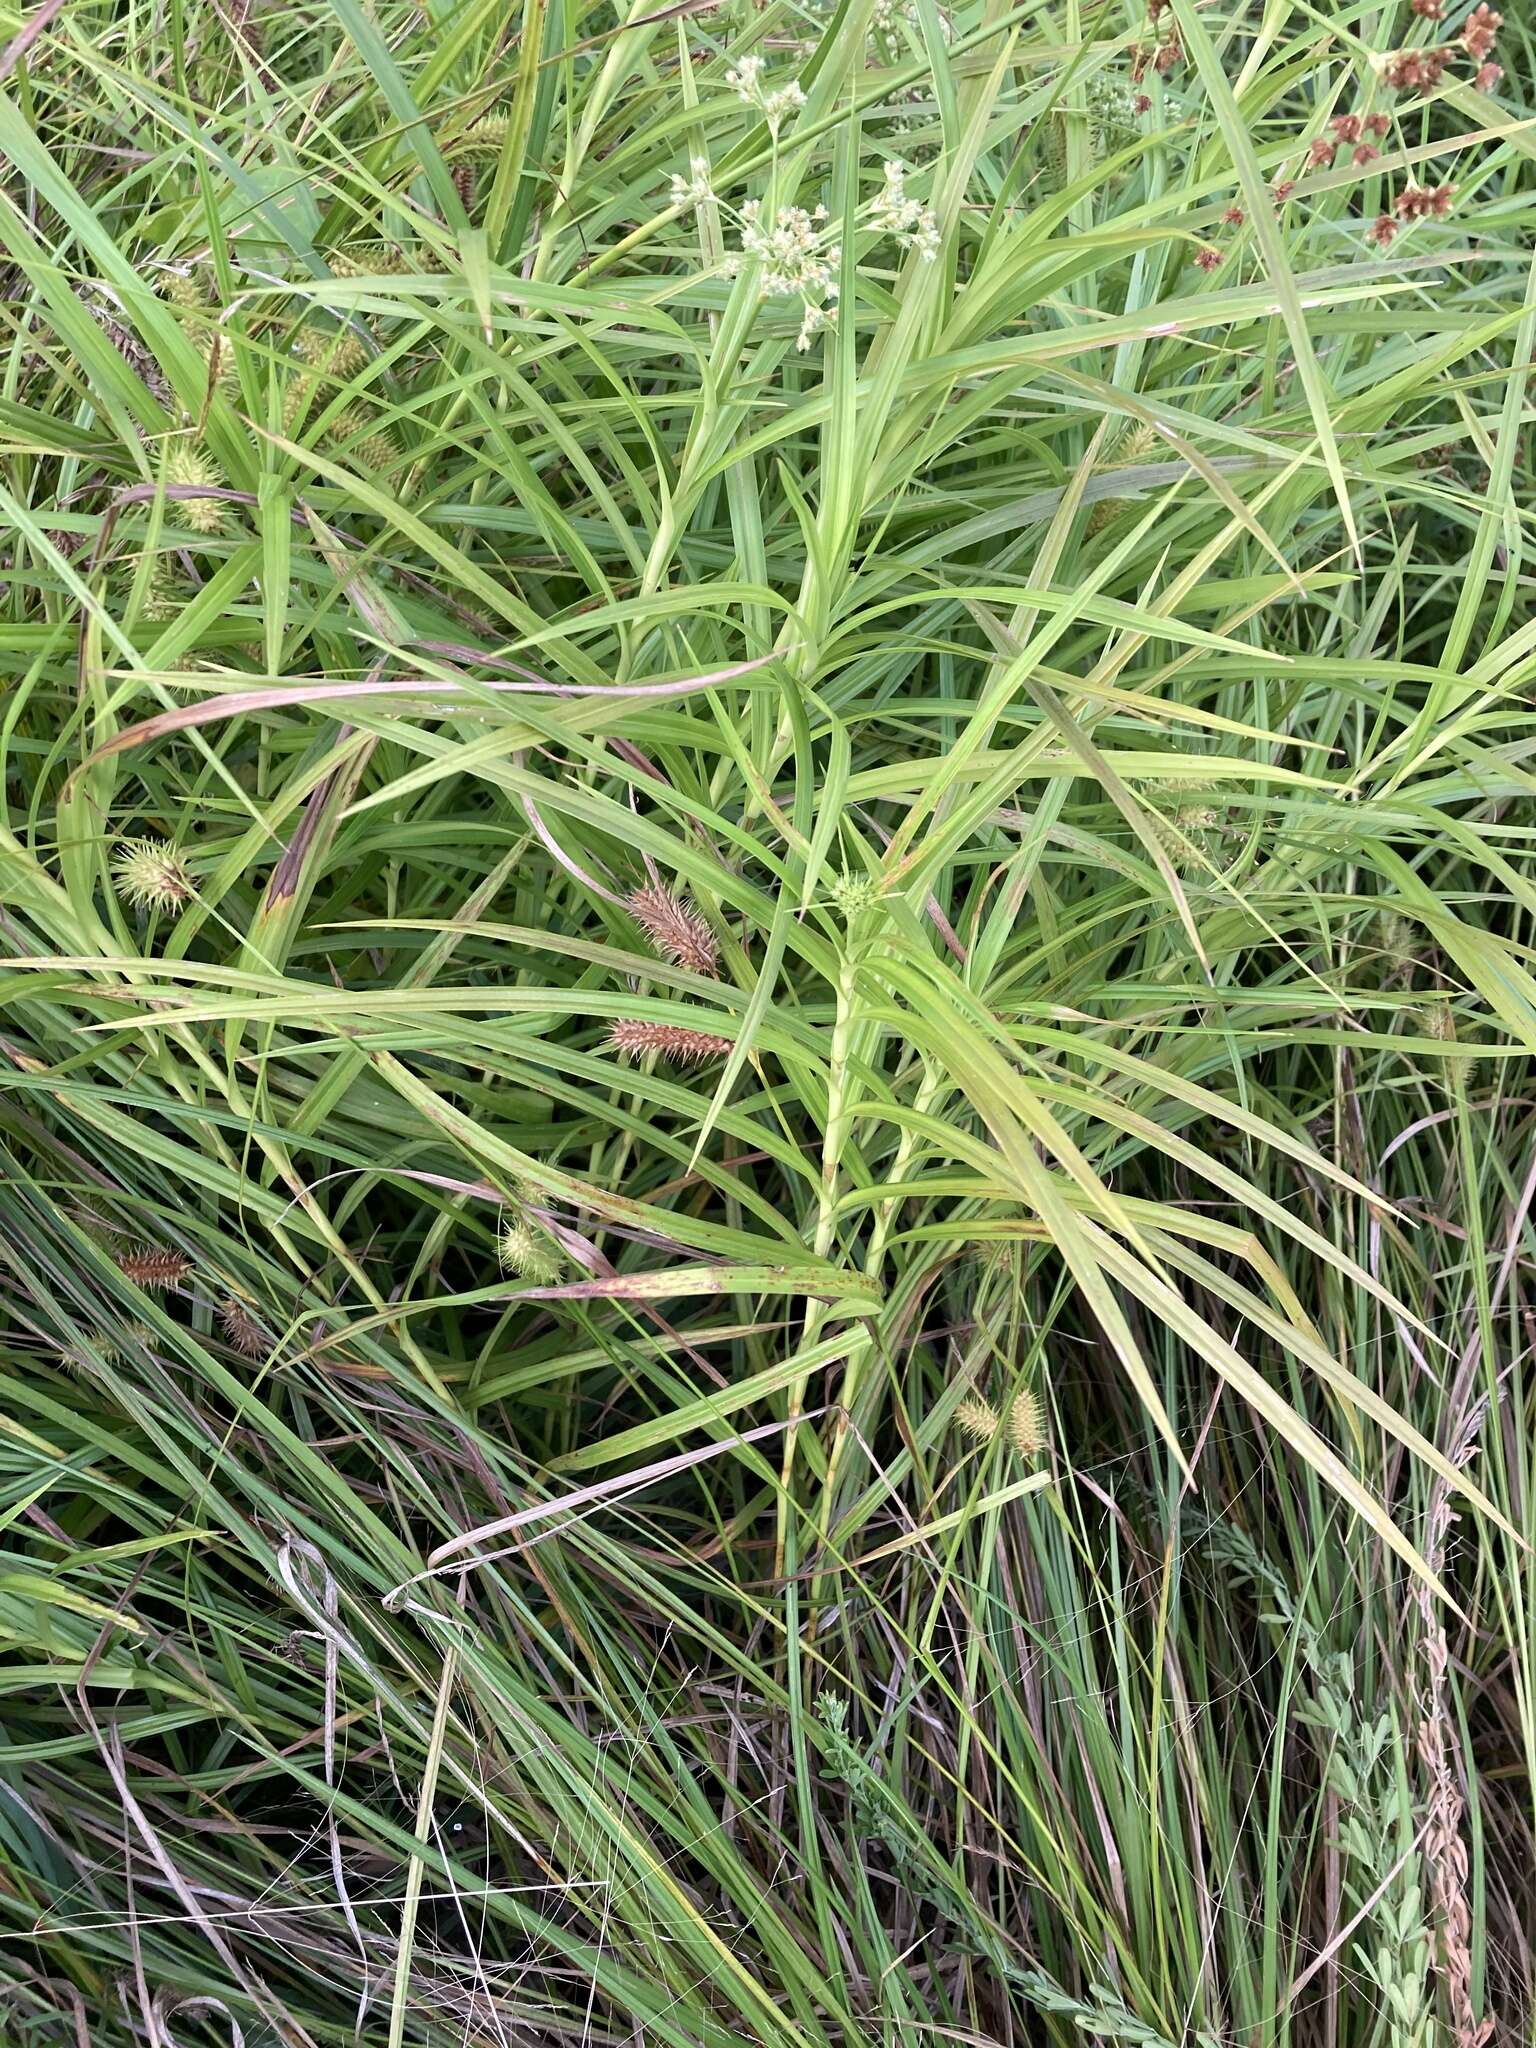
(796, 257)
(890, 15)
(796, 254)
(746, 81)
(695, 188)
(896, 213)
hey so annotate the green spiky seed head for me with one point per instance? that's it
(185, 288)
(187, 467)
(334, 350)
(366, 259)
(523, 1252)
(160, 601)
(853, 895)
(150, 875)
(485, 137)
(367, 448)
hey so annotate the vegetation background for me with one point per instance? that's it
(765, 1024)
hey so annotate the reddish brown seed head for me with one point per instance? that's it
(634, 1036)
(1234, 216)
(1381, 231)
(1365, 153)
(1321, 153)
(1282, 189)
(1482, 27)
(1346, 127)
(675, 928)
(241, 1330)
(1488, 76)
(1208, 258)
(152, 1266)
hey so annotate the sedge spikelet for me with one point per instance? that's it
(1056, 148)
(1026, 1424)
(370, 450)
(675, 928)
(335, 350)
(632, 1037)
(1135, 445)
(160, 601)
(465, 179)
(486, 136)
(185, 288)
(978, 1419)
(523, 1252)
(187, 468)
(150, 874)
(241, 1330)
(366, 259)
(152, 1266)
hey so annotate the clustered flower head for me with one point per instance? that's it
(897, 213)
(1400, 71)
(796, 259)
(796, 250)
(1417, 202)
(1421, 70)
(746, 81)
(695, 188)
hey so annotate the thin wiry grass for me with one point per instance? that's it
(767, 882)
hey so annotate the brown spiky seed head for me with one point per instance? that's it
(675, 928)
(634, 1036)
(153, 1266)
(977, 1418)
(241, 1330)
(1026, 1424)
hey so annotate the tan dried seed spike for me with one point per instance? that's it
(151, 1266)
(675, 928)
(1026, 1424)
(632, 1037)
(978, 1418)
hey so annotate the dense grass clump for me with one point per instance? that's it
(765, 1024)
